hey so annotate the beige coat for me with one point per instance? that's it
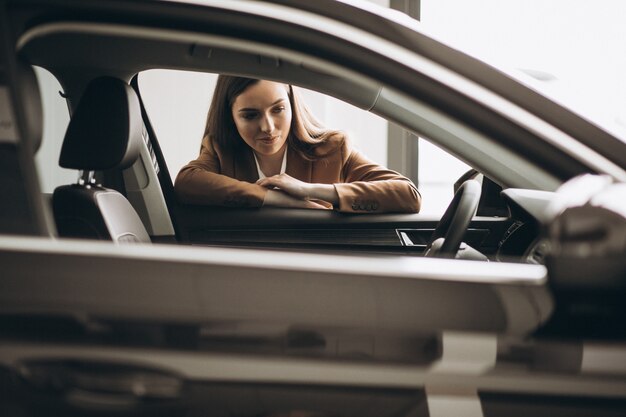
(223, 178)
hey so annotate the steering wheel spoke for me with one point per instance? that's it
(455, 221)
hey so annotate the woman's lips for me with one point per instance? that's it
(268, 139)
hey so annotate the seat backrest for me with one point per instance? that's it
(104, 133)
(21, 211)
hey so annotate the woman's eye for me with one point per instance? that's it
(278, 109)
(248, 116)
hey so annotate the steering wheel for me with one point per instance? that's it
(446, 239)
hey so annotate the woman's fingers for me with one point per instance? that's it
(274, 180)
(287, 184)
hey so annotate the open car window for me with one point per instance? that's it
(177, 103)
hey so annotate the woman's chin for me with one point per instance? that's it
(268, 149)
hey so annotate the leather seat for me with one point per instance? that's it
(20, 212)
(104, 133)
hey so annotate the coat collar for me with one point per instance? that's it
(298, 167)
(245, 167)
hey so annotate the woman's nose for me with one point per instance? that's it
(267, 124)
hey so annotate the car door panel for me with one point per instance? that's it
(204, 224)
(157, 282)
(403, 233)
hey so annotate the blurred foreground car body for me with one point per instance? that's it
(320, 314)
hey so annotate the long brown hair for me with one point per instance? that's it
(306, 133)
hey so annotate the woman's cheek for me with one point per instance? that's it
(286, 119)
(246, 129)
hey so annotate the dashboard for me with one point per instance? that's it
(524, 238)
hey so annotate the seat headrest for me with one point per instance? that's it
(105, 130)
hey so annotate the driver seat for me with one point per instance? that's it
(104, 133)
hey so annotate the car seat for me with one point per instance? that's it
(21, 211)
(104, 133)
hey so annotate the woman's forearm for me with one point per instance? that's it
(278, 198)
(326, 192)
(300, 189)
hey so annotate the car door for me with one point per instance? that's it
(420, 98)
(287, 228)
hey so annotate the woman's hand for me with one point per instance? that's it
(279, 198)
(287, 184)
(301, 190)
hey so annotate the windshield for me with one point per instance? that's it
(572, 51)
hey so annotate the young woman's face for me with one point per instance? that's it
(262, 114)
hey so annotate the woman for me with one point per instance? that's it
(262, 147)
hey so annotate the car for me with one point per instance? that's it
(116, 299)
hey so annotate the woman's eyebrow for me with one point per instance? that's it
(251, 109)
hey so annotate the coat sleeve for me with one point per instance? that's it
(201, 182)
(371, 188)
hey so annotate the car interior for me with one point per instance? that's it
(124, 193)
(104, 133)
(168, 221)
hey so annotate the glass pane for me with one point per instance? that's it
(55, 120)
(177, 103)
(438, 171)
